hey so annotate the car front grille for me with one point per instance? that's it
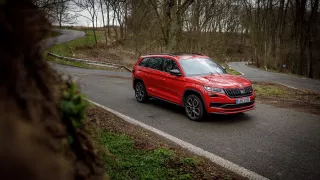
(237, 92)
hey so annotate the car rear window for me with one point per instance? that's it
(144, 62)
(154, 63)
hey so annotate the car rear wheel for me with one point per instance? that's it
(194, 108)
(140, 92)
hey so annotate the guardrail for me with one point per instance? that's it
(90, 62)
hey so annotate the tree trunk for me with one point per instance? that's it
(173, 28)
(94, 32)
(125, 20)
(309, 61)
(175, 13)
(113, 25)
(108, 19)
(104, 25)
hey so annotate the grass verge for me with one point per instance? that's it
(68, 63)
(229, 70)
(282, 96)
(130, 152)
(232, 71)
(68, 48)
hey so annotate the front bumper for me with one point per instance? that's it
(222, 104)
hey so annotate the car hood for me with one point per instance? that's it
(222, 81)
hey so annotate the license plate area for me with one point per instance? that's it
(243, 100)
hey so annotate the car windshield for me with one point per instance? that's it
(200, 67)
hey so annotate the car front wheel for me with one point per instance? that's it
(194, 108)
(140, 92)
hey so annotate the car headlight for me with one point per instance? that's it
(213, 89)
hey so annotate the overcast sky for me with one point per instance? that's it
(82, 21)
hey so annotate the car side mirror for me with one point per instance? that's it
(175, 72)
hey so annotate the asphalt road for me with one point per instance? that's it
(274, 142)
(66, 35)
(255, 74)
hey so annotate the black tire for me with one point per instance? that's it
(194, 108)
(140, 92)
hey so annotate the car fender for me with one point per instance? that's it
(196, 89)
(136, 79)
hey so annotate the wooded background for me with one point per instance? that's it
(278, 34)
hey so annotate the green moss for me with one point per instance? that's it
(129, 162)
(189, 161)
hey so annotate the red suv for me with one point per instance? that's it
(192, 81)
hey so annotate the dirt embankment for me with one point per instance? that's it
(147, 141)
(285, 97)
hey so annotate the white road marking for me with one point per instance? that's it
(192, 148)
(290, 86)
(293, 87)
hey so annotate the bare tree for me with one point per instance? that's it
(103, 22)
(63, 13)
(271, 33)
(91, 7)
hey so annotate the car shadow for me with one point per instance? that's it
(166, 105)
(211, 118)
(227, 119)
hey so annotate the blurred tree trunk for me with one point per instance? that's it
(103, 22)
(174, 12)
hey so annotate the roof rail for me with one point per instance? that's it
(160, 54)
(176, 53)
(186, 53)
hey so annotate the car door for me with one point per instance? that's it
(154, 76)
(143, 71)
(172, 86)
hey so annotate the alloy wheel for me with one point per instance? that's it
(140, 92)
(193, 107)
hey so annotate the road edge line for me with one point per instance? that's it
(192, 148)
(303, 90)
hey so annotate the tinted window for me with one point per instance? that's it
(144, 62)
(155, 63)
(168, 65)
(200, 66)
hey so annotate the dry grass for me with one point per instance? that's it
(282, 96)
(108, 54)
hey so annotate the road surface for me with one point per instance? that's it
(66, 35)
(273, 142)
(255, 74)
(276, 143)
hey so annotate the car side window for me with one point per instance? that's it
(144, 62)
(169, 64)
(155, 63)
